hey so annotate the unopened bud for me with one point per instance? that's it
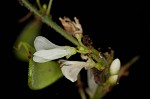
(113, 79)
(115, 67)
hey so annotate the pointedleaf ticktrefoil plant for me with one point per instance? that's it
(103, 70)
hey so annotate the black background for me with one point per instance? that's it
(123, 26)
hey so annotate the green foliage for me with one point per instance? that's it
(24, 51)
(40, 74)
(27, 35)
(43, 74)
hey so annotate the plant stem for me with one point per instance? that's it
(56, 27)
(80, 88)
(125, 67)
(82, 94)
(99, 93)
(49, 7)
(39, 4)
(50, 22)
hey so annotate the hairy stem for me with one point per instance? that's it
(50, 22)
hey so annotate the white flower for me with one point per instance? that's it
(115, 67)
(47, 51)
(71, 69)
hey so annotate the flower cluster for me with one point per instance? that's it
(47, 51)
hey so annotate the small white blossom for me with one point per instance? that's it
(47, 51)
(115, 67)
(71, 69)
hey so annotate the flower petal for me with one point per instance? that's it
(71, 72)
(52, 53)
(42, 43)
(70, 69)
(39, 59)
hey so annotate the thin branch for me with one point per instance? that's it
(39, 4)
(125, 67)
(50, 22)
(25, 17)
(80, 88)
(49, 7)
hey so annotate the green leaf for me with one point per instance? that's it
(28, 34)
(24, 51)
(42, 75)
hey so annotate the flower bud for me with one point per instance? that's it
(115, 67)
(113, 79)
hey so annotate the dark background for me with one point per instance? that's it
(123, 26)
